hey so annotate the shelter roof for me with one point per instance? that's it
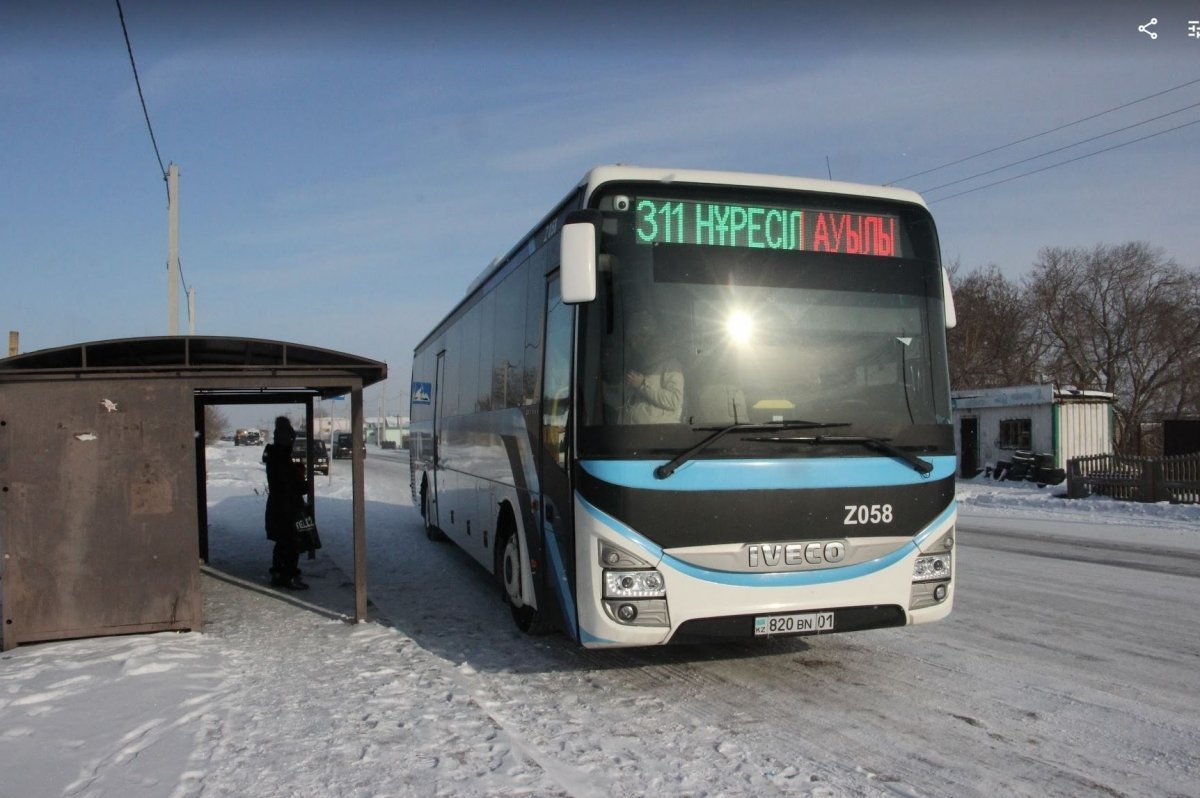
(209, 358)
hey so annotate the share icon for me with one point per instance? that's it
(1146, 28)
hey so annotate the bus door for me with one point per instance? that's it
(439, 377)
(555, 500)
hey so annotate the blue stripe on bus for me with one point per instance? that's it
(587, 637)
(946, 515)
(618, 528)
(823, 472)
(558, 576)
(774, 579)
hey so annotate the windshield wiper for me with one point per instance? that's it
(667, 469)
(882, 445)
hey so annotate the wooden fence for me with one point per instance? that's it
(1143, 479)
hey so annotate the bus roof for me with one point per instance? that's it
(607, 174)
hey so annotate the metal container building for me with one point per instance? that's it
(992, 423)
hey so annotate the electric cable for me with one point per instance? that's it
(1069, 160)
(153, 141)
(1060, 149)
(1044, 132)
(137, 81)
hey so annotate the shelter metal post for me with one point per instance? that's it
(360, 515)
(201, 479)
(172, 250)
(310, 474)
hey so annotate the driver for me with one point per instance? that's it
(653, 386)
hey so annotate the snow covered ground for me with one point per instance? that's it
(1022, 505)
(1041, 683)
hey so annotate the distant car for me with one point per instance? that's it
(343, 446)
(320, 455)
(248, 437)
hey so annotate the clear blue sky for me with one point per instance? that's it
(348, 168)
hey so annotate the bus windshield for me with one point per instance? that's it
(721, 308)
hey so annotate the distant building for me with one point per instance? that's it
(1169, 437)
(325, 426)
(388, 432)
(992, 423)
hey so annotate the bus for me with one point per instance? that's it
(695, 405)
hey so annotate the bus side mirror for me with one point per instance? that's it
(948, 301)
(577, 256)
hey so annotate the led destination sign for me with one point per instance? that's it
(717, 224)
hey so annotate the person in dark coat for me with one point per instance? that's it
(286, 490)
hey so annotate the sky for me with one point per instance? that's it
(348, 169)
(440, 695)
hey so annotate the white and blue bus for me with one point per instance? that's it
(693, 405)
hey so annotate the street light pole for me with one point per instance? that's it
(172, 250)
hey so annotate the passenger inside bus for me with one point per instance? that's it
(651, 389)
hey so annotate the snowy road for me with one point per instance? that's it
(1067, 667)
(1131, 554)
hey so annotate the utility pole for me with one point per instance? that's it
(191, 309)
(172, 250)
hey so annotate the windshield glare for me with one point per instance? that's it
(682, 337)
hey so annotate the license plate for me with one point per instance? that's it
(798, 624)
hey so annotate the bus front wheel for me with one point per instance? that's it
(527, 618)
(510, 570)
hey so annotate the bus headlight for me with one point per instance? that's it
(634, 584)
(928, 569)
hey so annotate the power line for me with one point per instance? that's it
(1045, 132)
(1069, 160)
(138, 82)
(1060, 149)
(171, 302)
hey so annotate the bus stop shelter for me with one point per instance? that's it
(103, 514)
